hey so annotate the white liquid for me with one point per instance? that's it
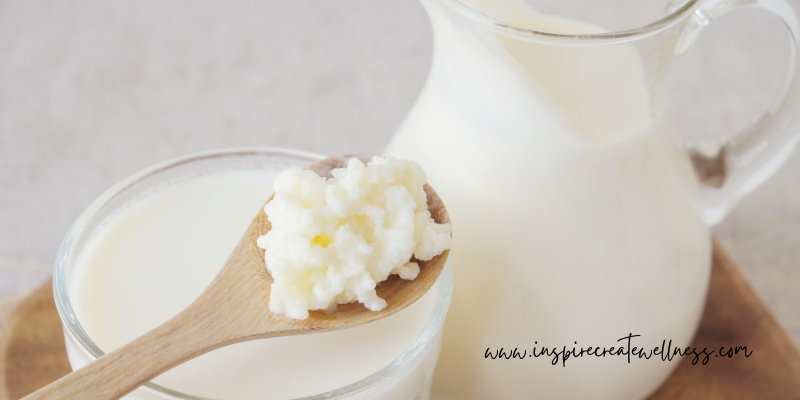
(574, 210)
(157, 255)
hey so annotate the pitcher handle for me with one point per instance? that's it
(732, 167)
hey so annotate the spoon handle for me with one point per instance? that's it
(188, 335)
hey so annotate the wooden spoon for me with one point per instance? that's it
(234, 308)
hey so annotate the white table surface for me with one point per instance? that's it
(92, 91)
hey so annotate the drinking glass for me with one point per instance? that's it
(408, 377)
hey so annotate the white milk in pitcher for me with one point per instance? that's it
(574, 209)
(156, 255)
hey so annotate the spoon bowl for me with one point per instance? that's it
(234, 308)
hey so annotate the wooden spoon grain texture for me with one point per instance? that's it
(232, 309)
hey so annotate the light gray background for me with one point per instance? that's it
(92, 91)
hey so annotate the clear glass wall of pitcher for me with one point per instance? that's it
(579, 218)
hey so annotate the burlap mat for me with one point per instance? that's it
(17, 279)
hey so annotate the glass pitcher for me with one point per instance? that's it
(579, 218)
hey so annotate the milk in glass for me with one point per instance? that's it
(150, 259)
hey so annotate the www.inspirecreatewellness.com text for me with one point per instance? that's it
(665, 352)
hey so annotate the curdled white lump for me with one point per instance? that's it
(333, 240)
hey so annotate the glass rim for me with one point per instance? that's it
(74, 329)
(570, 39)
